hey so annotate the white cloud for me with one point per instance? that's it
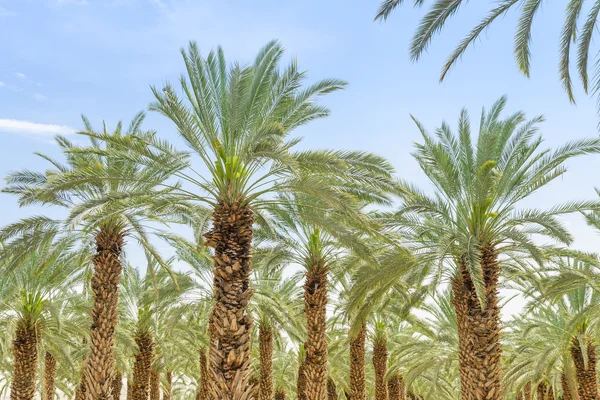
(2, 84)
(40, 97)
(20, 75)
(32, 128)
(5, 13)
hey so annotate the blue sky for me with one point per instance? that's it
(62, 58)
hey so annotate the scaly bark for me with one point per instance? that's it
(357, 364)
(301, 381)
(279, 395)
(550, 395)
(117, 385)
(331, 390)
(564, 384)
(168, 389)
(587, 377)
(315, 312)
(49, 376)
(203, 387)
(100, 365)
(25, 361)
(519, 395)
(542, 390)
(230, 324)
(480, 349)
(129, 389)
(253, 386)
(396, 387)
(154, 385)
(527, 391)
(265, 344)
(143, 365)
(380, 356)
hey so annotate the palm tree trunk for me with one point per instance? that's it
(202, 391)
(265, 342)
(527, 391)
(357, 364)
(550, 393)
(380, 355)
(519, 395)
(541, 391)
(25, 362)
(154, 385)
(396, 387)
(129, 389)
(301, 381)
(100, 366)
(49, 376)
(168, 389)
(143, 365)
(586, 374)
(279, 395)
(230, 324)
(331, 390)
(564, 384)
(480, 349)
(117, 385)
(315, 311)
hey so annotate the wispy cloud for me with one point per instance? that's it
(2, 84)
(5, 13)
(20, 75)
(32, 128)
(39, 97)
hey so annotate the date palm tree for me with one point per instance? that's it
(99, 207)
(572, 39)
(473, 224)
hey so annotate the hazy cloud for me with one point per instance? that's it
(2, 84)
(5, 13)
(33, 128)
(40, 97)
(20, 75)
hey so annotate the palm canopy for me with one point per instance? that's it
(478, 188)
(577, 12)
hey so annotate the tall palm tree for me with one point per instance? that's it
(380, 359)
(578, 13)
(100, 207)
(237, 120)
(473, 224)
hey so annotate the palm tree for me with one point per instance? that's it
(380, 359)
(441, 10)
(472, 225)
(97, 206)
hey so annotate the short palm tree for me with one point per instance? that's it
(473, 224)
(99, 207)
(441, 10)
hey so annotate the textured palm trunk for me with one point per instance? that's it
(265, 342)
(279, 395)
(100, 365)
(315, 312)
(202, 391)
(527, 391)
(480, 349)
(230, 324)
(168, 389)
(117, 385)
(25, 362)
(49, 376)
(129, 389)
(396, 387)
(357, 364)
(587, 377)
(564, 384)
(550, 393)
(142, 366)
(253, 386)
(154, 385)
(519, 395)
(331, 390)
(80, 393)
(301, 381)
(542, 390)
(380, 356)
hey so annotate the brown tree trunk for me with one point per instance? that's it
(550, 393)
(279, 395)
(542, 389)
(154, 384)
(25, 362)
(396, 387)
(519, 395)
(129, 389)
(265, 342)
(143, 365)
(331, 390)
(168, 389)
(527, 391)
(315, 311)
(100, 366)
(357, 364)
(564, 384)
(117, 385)
(480, 349)
(380, 355)
(49, 376)
(301, 381)
(203, 387)
(230, 324)
(587, 377)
